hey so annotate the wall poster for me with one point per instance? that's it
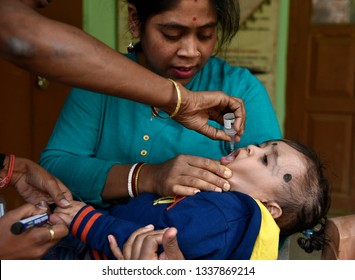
(255, 46)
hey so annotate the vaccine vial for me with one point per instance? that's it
(228, 121)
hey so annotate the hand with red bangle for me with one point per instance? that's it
(32, 181)
(6, 180)
(35, 185)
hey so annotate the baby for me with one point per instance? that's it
(277, 188)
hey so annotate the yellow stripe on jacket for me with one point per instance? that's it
(266, 246)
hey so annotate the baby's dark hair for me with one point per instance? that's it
(314, 239)
(228, 15)
(305, 201)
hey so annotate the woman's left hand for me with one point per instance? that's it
(184, 175)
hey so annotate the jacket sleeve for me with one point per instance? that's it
(93, 227)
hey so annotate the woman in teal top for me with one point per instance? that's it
(98, 138)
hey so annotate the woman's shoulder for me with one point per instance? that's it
(81, 98)
(223, 65)
(219, 74)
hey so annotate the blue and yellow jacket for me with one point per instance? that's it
(211, 225)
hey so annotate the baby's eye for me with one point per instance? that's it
(265, 160)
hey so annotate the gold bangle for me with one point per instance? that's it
(178, 104)
(137, 177)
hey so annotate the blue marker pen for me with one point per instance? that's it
(28, 223)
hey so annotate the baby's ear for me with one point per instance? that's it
(274, 209)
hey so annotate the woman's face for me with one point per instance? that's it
(177, 43)
(259, 171)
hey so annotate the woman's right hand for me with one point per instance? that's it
(199, 107)
(184, 175)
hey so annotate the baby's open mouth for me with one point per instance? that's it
(231, 157)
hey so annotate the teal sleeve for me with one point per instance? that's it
(70, 152)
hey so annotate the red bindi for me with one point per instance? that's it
(194, 18)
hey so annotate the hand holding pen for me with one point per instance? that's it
(34, 242)
(34, 220)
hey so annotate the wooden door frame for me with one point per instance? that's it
(320, 97)
(296, 26)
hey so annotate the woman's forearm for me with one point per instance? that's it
(116, 184)
(66, 54)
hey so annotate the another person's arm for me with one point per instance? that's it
(34, 183)
(97, 226)
(33, 243)
(142, 244)
(68, 55)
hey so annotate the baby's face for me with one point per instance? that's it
(259, 171)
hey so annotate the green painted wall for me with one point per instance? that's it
(100, 20)
(280, 92)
